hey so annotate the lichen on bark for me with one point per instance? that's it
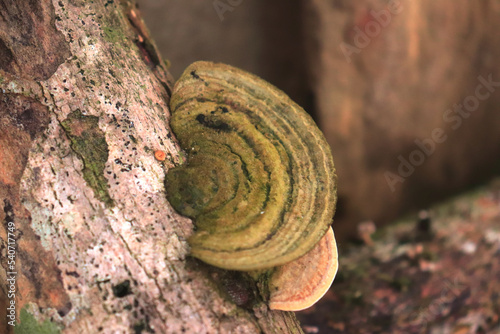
(28, 324)
(89, 142)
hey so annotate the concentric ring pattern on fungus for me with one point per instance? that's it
(259, 180)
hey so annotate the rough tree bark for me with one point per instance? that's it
(83, 108)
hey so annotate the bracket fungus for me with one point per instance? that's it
(259, 180)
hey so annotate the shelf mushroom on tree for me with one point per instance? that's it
(259, 182)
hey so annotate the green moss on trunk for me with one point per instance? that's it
(89, 142)
(29, 325)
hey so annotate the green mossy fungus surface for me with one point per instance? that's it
(259, 180)
(89, 142)
(29, 325)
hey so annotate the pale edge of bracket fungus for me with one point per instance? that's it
(301, 283)
(259, 181)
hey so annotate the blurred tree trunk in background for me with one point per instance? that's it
(88, 241)
(396, 90)
(378, 76)
(262, 37)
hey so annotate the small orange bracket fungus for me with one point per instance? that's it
(301, 283)
(259, 181)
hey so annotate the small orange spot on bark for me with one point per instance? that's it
(160, 155)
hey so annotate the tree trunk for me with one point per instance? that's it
(389, 79)
(88, 236)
